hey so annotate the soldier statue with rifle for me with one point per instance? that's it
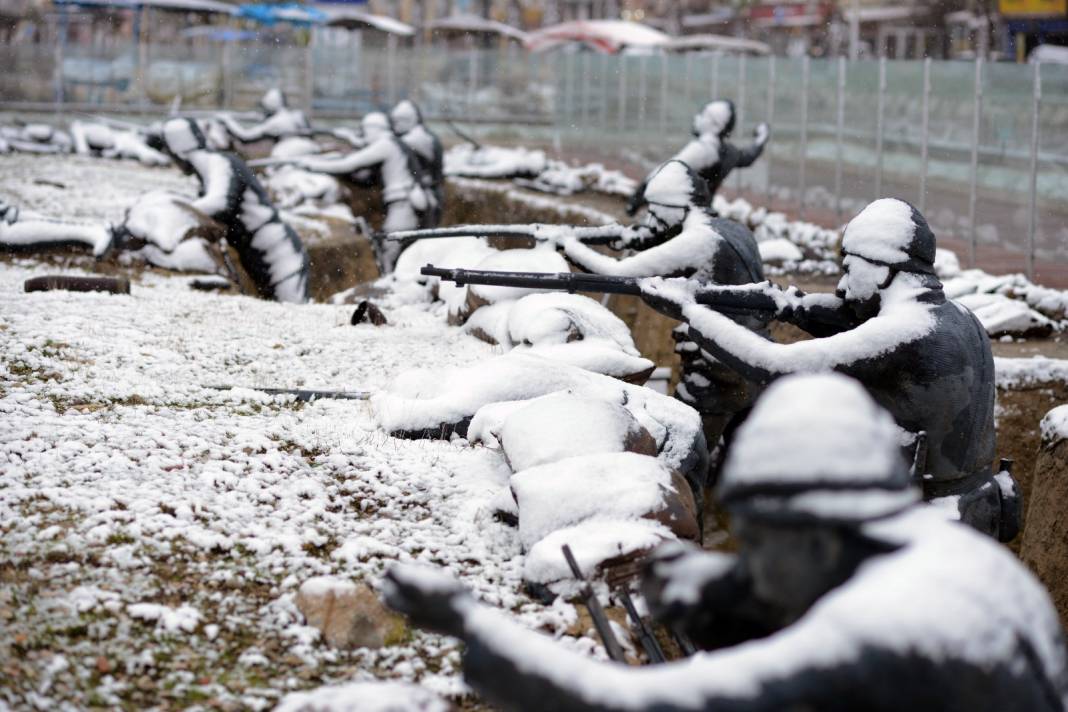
(678, 238)
(839, 598)
(924, 358)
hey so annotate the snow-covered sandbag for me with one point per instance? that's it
(372, 696)
(494, 162)
(290, 186)
(543, 258)
(779, 251)
(294, 147)
(437, 403)
(619, 486)
(596, 544)
(175, 235)
(449, 252)
(1002, 316)
(562, 425)
(564, 327)
(946, 263)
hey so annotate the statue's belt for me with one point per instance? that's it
(947, 487)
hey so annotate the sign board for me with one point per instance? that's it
(1033, 8)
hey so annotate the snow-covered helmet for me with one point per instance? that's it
(405, 116)
(374, 125)
(837, 457)
(273, 100)
(891, 232)
(716, 118)
(182, 136)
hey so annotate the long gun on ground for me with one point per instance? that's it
(302, 394)
(600, 620)
(541, 232)
(750, 299)
(645, 633)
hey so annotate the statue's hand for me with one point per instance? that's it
(668, 296)
(761, 134)
(430, 598)
(678, 578)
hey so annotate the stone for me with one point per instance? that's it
(348, 614)
(1045, 538)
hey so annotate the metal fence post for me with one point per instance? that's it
(391, 69)
(688, 79)
(715, 77)
(663, 93)
(880, 117)
(603, 84)
(925, 130)
(805, 68)
(472, 78)
(641, 92)
(585, 97)
(771, 117)
(309, 77)
(973, 182)
(741, 114)
(1032, 222)
(839, 129)
(622, 61)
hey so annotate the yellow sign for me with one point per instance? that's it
(1032, 8)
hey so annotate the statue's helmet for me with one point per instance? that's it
(837, 456)
(182, 136)
(374, 125)
(716, 118)
(405, 116)
(893, 233)
(273, 100)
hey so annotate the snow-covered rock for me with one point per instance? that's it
(346, 614)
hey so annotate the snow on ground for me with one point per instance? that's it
(154, 532)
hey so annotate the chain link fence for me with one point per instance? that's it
(981, 148)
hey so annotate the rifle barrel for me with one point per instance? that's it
(556, 281)
(602, 234)
(645, 634)
(600, 620)
(302, 394)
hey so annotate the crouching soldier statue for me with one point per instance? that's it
(846, 593)
(269, 250)
(924, 358)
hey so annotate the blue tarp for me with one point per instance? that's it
(293, 13)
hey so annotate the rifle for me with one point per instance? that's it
(302, 395)
(742, 300)
(541, 232)
(645, 634)
(600, 620)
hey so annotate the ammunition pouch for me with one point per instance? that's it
(988, 503)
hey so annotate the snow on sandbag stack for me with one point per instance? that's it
(35, 138)
(785, 245)
(568, 328)
(443, 402)
(1006, 305)
(173, 234)
(587, 474)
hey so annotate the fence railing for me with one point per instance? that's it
(981, 148)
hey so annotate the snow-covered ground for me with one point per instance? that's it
(154, 532)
